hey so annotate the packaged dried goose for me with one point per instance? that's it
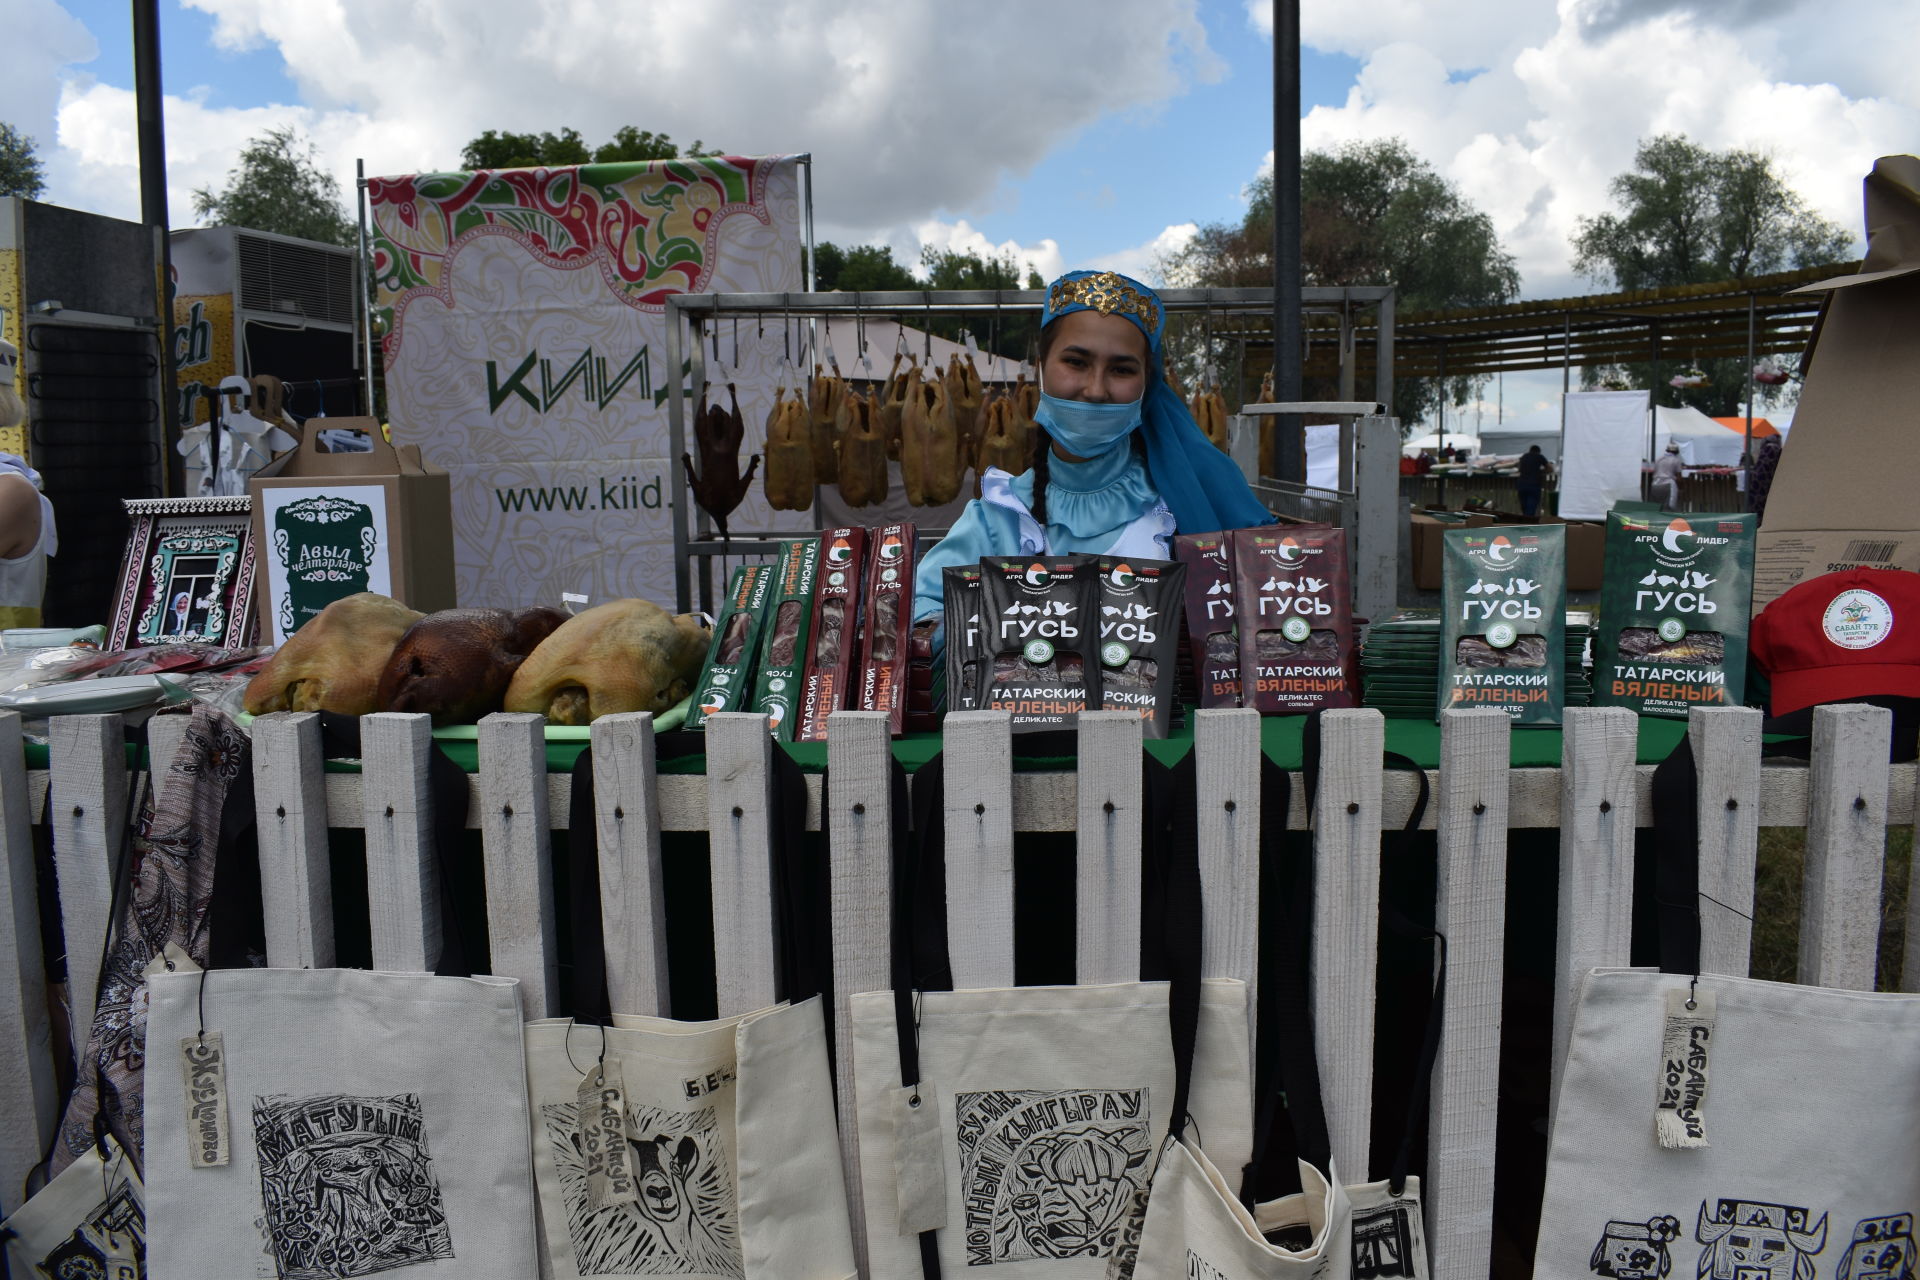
(1210, 623)
(966, 638)
(1674, 608)
(1503, 625)
(834, 644)
(886, 636)
(783, 646)
(1140, 638)
(1294, 604)
(1042, 626)
(727, 682)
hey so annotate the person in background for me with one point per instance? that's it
(1119, 465)
(1408, 467)
(1423, 465)
(26, 517)
(1760, 477)
(1535, 471)
(1666, 478)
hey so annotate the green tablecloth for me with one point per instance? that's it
(1419, 740)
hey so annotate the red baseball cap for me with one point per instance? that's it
(1851, 634)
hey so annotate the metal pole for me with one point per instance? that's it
(365, 291)
(1750, 359)
(150, 126)
(1290, 448)
(806, 164)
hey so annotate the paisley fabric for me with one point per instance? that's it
(165, 900)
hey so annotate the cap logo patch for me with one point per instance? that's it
(1857, 619)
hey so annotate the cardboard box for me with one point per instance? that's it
(327, 525)
(1842, 495)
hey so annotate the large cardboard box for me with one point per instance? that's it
(1843, 493)
(327, 525)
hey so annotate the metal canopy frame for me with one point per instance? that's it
(689, 314)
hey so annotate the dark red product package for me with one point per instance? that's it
(1210, 623)
(834, 644)
(1042, 619)
(887, 636)
(1140, 638)
(1294, 606)
(966, 641)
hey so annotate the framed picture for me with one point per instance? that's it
(188, 574)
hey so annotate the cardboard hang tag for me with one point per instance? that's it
(919, 1171)
(1680, 1107)
(602, 1099)
(203, 1073)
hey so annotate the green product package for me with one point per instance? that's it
(727, 681)
(1674, 608)
(1503, 625)
(783, 642)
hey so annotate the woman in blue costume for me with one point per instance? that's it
(1120, 465)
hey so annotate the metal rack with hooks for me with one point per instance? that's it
(1234, 316)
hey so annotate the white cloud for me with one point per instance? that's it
(42, 41)
(909, 111)
(1142, 262)
(961, 237)
(1533, 109)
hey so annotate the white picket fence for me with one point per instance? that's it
(1845, 800)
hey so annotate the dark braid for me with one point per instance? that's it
(1042, 453)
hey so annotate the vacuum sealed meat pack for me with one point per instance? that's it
(1042, 625)
(783, 643)
(1674, 607)
(1210, 621)
(1503, 624)
(1294, 603)
(727, 682)
(886, 639)
(1140, 602)
(834, 644)
(966, 637)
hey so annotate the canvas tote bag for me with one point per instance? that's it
(1200, 1226)
(731, 1141)
(372, 1122)
(88, 1223)
(1727, 1127)
(1017, 1128)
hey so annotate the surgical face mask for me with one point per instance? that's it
(1085, 429)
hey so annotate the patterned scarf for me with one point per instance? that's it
(165, 900)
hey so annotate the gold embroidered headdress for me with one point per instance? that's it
(1109, 293)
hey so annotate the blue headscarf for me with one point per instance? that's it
(1202, 486)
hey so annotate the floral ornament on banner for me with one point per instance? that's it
(650, 229)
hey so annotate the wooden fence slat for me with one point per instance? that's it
(290, 815)
(1910, 968)
(977, 752)
(29, 1095)
(1107, 866)
(1226, 751)
(1846, 844)
(403, 881)
(859, 822)
(1470, 911)
(633, 900)
(517, 851)
(1595, 930)
(1346, 927)
(740, 835)
(87, 762)
(165, 736)
(1726, 753)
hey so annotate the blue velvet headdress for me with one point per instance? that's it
(1201, 485)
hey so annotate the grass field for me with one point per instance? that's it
(1776, 904)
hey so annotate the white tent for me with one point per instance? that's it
(1518, 437)
(1703, 442)
(1458, 440)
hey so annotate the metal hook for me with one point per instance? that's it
(1693, 989)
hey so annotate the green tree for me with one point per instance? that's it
(870, 268)
(502, 150)
(20, 171)
(866, 268)
(279, 186)
(1690, 215)
(1371, 213)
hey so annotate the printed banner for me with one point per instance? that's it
(526, 353)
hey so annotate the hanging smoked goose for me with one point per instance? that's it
(930, 463)
(720, 485)
(863, 454)
(789, 478)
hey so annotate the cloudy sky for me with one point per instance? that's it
(1076, 132)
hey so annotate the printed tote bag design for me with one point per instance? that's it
(343, 1124)
(731, 1149)
(1769, 1132)
(89, 1223)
